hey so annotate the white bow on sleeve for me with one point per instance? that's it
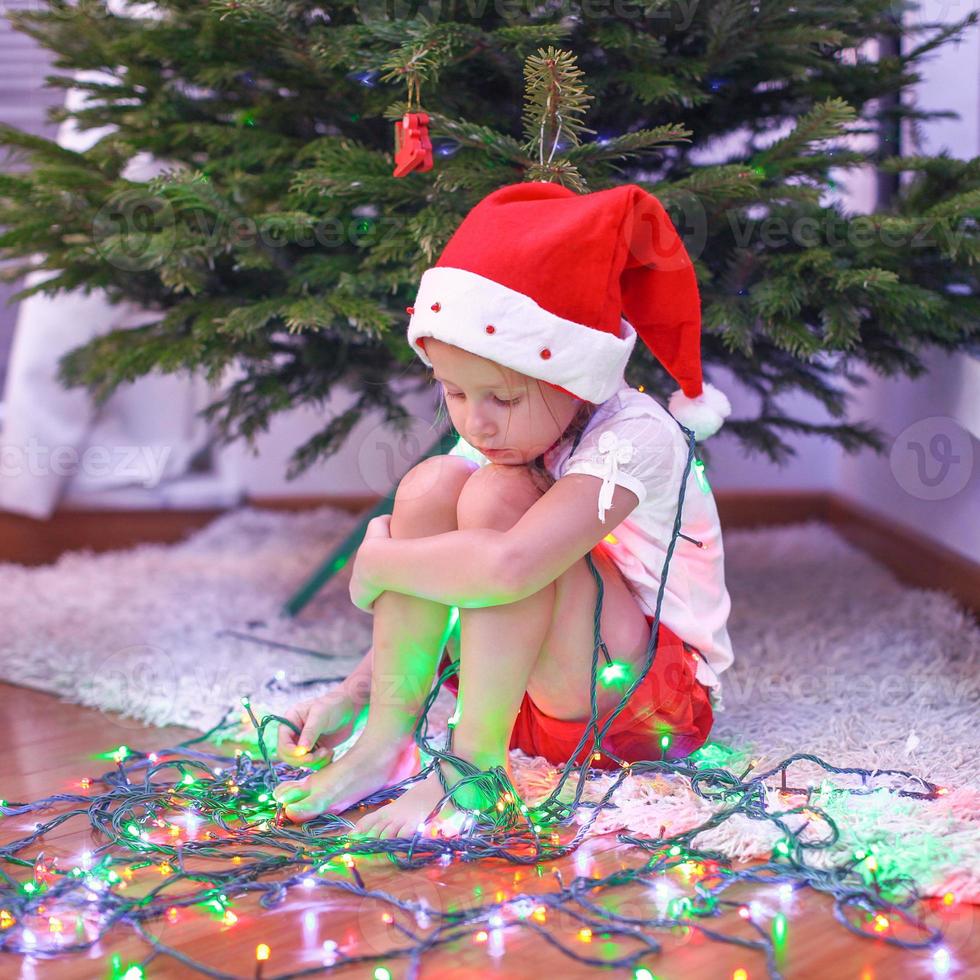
(615, 451)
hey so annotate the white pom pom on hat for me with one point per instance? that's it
(705, 414)
(558, 285)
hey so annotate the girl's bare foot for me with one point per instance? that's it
(403, 817)
(368, 766)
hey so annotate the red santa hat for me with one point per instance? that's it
(557, 285)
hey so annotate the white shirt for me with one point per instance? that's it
(632, 440)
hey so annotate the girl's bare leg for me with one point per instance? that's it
(409, 636)
(498, 650)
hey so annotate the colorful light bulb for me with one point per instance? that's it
(612, 672)
(699, 475)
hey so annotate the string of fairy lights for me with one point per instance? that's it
(160, 814)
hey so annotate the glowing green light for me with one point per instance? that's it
(133, 971)
(779, 930)
(29, 887)
(700, 477)
(263, 798)
(642, 973)
(133, 829)
(216, 904)
(382, 973)
(612, 672)
(715, 755)
(675, 850)
(188, 779)
(664, 742)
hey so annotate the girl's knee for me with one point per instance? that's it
(496, 496)
(433, 485)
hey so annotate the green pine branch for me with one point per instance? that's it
(278, 239)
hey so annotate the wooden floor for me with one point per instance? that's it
(51, 745)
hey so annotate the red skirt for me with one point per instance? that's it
(670, 701)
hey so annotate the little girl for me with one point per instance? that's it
(528, 320)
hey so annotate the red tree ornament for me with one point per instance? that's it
(413, 150)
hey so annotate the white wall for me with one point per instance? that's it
(372, 460)
(731, 467)
(930, 478)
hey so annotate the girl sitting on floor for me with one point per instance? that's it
(528, 320)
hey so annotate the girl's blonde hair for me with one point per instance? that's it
(573, 430)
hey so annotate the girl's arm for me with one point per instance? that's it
(468, 568)
(479, 567)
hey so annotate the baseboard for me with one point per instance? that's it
(354, 503)
(29, 541)
(756, 508)
(913, 558)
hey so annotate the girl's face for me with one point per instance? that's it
(496, 408)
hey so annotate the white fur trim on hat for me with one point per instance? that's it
(704, 414)
(586, 361)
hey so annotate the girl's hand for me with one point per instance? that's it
(324, 723)
(364, 585)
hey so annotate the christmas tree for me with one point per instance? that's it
(279, 241)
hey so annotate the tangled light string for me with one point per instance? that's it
(55, 911)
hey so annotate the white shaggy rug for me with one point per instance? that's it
(833, 657)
